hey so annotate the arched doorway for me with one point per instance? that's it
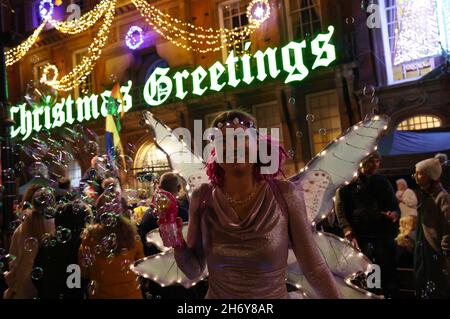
(150, 162)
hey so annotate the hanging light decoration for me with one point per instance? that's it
(16, 54)
(86, 21)
(46, 9)
(82, 70)
(182, 34)
(199, 39)
(134, 37)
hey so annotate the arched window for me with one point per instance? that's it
(419, 122)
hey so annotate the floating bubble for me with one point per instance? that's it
(291, 153)
(323, 131)
(310, 117)
(19, 166)
(37, 273)
(124, 163)
(108, 219)
(350, 20)
(368, 90)
(292, 100)
(63, 235)
(17, 149)
(98, 249)
(49, 212)
(91, 148)
(109, 243)
(45, 196)
(375, 100)
(87, 258)
(131, 148)
(47, 240)
(36, 148)
(30, 244)
(14, 224)
(34, 59)
(113, 78)
(89, 220)
(299, 134)
(8, 173)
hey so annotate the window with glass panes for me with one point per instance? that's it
(268, 116)
(326, 125)
(304, 18)
(420, 122)
(233, 14)
(411, 47)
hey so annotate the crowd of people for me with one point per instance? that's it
(402, 229)
(81, 244)
(93, 235)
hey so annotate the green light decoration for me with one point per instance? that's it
(272, 63)
(269, 64)
(67, 111)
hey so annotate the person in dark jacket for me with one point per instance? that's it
(445, 176)
(169, 182)
(368, 213)
(55, 256)
(432, 251)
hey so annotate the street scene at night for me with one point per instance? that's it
(194, 150)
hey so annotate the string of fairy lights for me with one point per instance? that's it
(180, 33)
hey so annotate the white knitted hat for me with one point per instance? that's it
(430, 167)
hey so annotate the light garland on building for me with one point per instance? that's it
(82, 70)
(16, 54)
(182, 34)
(86, 21)
(193, 38)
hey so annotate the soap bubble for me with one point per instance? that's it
(63, 235)
(37, 273)
(91, 148)
(30, 244)
(323, 131)
(369, 90)
(310, 117)
(299, 134)
(292, 100)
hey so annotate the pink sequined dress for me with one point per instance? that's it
(247, 258)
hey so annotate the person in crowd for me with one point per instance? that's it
(367, 212)
(25, 243)
(56, 260)
(25, 208)
(405, 240)
(64, 191)
(445, 176)
(168, 182)
(107, 251)
(238, 227)
(142, 206)
(432, 251)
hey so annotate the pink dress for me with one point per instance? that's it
(247, 258)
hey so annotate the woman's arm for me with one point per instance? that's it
(305, 248)
(190, 257)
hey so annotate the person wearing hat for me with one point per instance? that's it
(432, 251)
(445, 176)
(368, 213)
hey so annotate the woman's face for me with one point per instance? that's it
(233, 149)
(422, 180)
(401, 186)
